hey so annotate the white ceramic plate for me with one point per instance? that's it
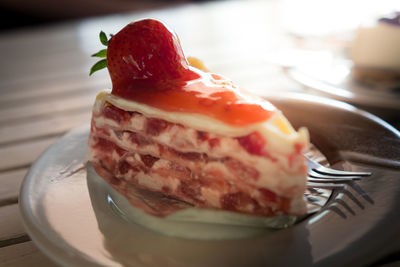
(71, 217)
(331, 76)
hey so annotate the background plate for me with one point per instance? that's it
(331, 76)
(74, 222)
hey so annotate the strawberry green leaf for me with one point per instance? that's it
(98, 66)
(101, 53)
(103, 38)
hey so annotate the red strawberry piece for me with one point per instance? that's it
(254, 143)
(143, 54)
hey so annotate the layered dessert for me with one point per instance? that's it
(170, 136)
(375, 50)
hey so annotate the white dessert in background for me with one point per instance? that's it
(375, 50)
(377, 47)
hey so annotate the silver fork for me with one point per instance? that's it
(323, 177)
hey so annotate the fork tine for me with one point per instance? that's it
(325, 185)
(329, 171)
(329, 180)
(316, 167)
(313, 174)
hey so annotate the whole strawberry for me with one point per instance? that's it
(143, 54)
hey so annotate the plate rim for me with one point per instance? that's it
(298, 74)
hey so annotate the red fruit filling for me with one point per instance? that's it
(254, 143)
(190, 181)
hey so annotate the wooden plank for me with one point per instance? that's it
(27, 81)
(40, 51)
(41, 127)
(11, 226)
(10, 182)
(43, 90)
(23, 154)
(84, 100)
(45, 67)
(57, 39)
(24, 254)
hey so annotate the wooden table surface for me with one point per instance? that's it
(46, 91)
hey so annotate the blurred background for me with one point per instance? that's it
(22, 13)
(19, 13)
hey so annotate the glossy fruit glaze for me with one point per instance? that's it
(147, 64)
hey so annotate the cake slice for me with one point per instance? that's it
(170, 136)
